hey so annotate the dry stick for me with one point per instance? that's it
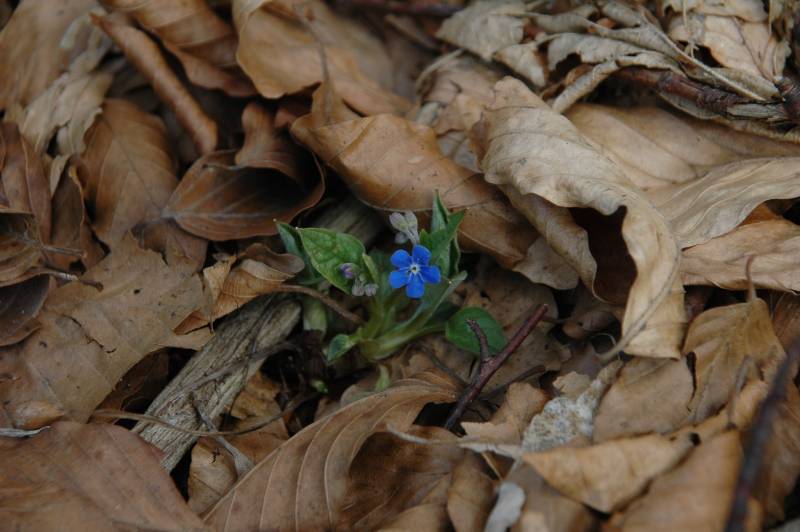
(490, 364)
(759, 436)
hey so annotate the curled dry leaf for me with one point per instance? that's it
(508, 424)
(218, 200)
(91, 337)
(696, 495)
(127, 170)
(257, 271)
(74, 476)
(175, 244)
(393, 164)
(140, 50)
(279, 49)
(203, 42)
(485, 27)
(304, 483)
(21, 303)
(608, 475)
(30, 44)
(393, 482)
(469, 497)
(722, 261)
(567, 171)
(20, 247)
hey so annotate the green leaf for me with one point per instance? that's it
(291, 241)
(460, 333)
(439, 215)
(372, 268)
(340, 345)
(315, 315)
(328, 250)
(443, 245)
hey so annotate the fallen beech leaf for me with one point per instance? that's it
(128, 173)
(716, 203)
(749, 46)
(581, 177)
(139, 386)
(608, 475)
(392, 164)
(71, 228)
(203, 42)
(73, 476)
(650, 395)
(656, 147)
(212, 471)
(393, 481)
(146, 56)
(469, 497)
(166, 237)
(91, 337)
(19, 305)
(508, 424)
(30, 45)
(745, 10)
(525, 61)
(20, 248)
(723, 340)
(306, 479)
(220, 201)
(722, 261)
(23, 185)
(485, 27)
(279, 53)
(694, 496)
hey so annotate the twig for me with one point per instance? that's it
(490, 364)
(325, 300)
(759, 437)
(403, 7)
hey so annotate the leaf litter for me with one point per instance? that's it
(632, 166)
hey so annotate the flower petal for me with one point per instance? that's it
(401, 259)
(421, 255)
(430, 274)
(415, 287)
(398, 279)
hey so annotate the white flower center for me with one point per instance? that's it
(413, 269)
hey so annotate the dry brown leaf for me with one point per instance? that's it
(649, 396)
(393, 482)
(469, 497)
(694, 496)
(139, 386)
(392, 164)
(20, 247)
(567, 171)
(485, 27)
(718, 202)
(257, 271)
(722, 261)
(31, 45)
(140, 50)
(525, 61)
(79, 477)
(219, 201)
(127, 170)
(212, 471)
(91, 337)
(23, 185)
(279, 53)
(749, 46)
(608, 475)
(305, 481)
(656, 147)
(166, 237)
(723, 340)
(508, 424)
(203, 42)
(21, 303)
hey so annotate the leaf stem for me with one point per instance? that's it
(490, 364)
(325, 300)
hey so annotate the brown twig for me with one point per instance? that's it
(325, 300)
(490, 364)
(403, 7)
(759, 437)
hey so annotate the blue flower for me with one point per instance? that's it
(413, 271)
